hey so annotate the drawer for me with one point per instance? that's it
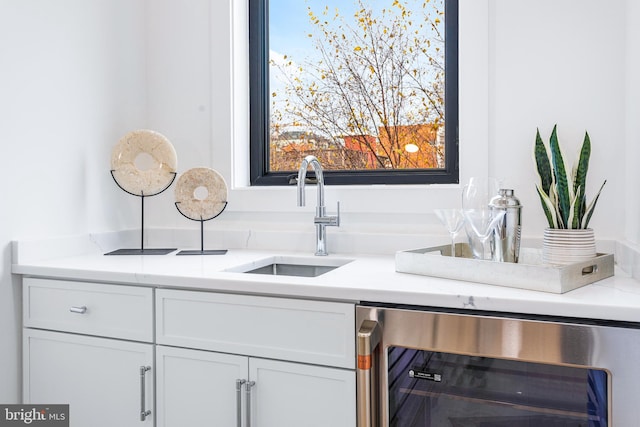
(315, 332)
(89, 308)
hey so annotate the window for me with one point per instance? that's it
(370, 87)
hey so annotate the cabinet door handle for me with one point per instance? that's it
(249, 385)
(79, 310)
(239, 384)
(367, 340)
(144, 413)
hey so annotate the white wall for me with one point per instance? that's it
(559, 62)
(72, 81)
(632, 125)
(523, 65)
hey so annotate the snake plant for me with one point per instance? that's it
(563, 196)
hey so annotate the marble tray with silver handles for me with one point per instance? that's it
(529, 273)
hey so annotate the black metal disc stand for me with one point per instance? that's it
(142, 250)
(202, 251)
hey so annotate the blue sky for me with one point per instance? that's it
(289, 23)
(289, 27)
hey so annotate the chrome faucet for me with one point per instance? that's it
(321, 220)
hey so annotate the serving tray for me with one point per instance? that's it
(529, 273)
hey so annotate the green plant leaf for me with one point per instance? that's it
(580, 174)
(574, 212)
(547, 207)
(559, 220)
(580, 206)
(592, 206)
(562, 181)
(543, 165)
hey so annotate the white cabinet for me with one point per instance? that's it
(204, 359)
(293, 394)
(99, 378)
(114, 311)
(198, 388)
(311, 384)
(317, 332)
(105, 381)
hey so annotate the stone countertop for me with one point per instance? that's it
(369, 278)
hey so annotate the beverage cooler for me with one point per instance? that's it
(429, 368)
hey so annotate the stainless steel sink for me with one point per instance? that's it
(292, 270)
(291, 266)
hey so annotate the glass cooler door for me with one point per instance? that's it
(431, 389)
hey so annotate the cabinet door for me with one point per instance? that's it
(316, 332)
(99, 378)
(291, 394)
(198, 388)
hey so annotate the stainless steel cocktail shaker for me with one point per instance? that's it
(505, 242)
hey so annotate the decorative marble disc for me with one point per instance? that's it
(160, 154)
(201, 194)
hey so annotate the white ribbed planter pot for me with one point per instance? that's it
(561, 246)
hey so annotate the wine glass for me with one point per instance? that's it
(482, 222)
(476, 196)
(478, 192)
(453, 220)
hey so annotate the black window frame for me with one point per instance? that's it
(260, 113)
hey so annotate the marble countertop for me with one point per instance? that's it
(366, 278)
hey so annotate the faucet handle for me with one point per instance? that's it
(328, 220)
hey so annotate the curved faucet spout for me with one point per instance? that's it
(302, 174)
(321, 220)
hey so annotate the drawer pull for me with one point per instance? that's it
(144, 413)
(249, 385)
(239, 384)
(79, 310)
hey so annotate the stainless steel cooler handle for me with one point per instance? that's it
(368, 340)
